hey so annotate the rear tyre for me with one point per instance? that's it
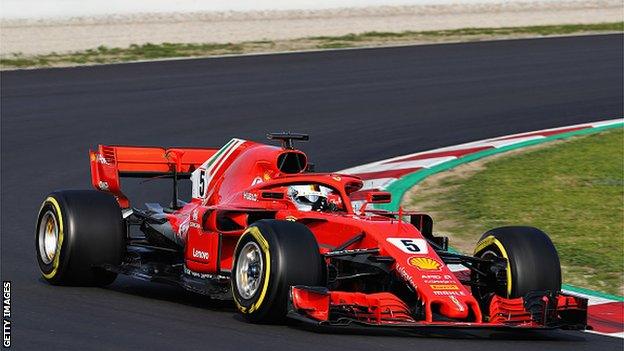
(270, 257)
(79, 231)
(532, 261)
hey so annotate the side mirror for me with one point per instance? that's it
(378, 197)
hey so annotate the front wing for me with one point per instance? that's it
(538, 310)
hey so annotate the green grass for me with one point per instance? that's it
(572, 190)
(150, 51)
(334, 45)
(537, 30)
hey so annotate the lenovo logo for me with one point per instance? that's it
(200, 254)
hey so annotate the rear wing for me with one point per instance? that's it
(109, 163)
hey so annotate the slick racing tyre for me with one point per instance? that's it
(270, 257)
(77, 232)
(532, 261)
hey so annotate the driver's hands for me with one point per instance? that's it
(323, 205)
(335, 201)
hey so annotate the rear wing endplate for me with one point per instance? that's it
(110, 162)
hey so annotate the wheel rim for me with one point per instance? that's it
(249, 268)
(48, 237)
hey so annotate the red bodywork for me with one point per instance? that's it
(245, 181)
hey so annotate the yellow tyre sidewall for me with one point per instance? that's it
(255, 234)
(489, 242)
(59, 217)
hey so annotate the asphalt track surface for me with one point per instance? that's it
(358, 105)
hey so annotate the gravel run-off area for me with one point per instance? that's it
(61, 35)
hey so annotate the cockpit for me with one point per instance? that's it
(308, 192)
(315, 197)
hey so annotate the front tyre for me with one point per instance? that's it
(532, 261)
(270, 257)
(79, 231)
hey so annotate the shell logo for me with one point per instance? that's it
(424, 263)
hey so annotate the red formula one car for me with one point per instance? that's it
(282, 241)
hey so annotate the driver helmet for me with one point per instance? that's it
(305, 196)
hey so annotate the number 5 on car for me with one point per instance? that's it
(410, 245)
